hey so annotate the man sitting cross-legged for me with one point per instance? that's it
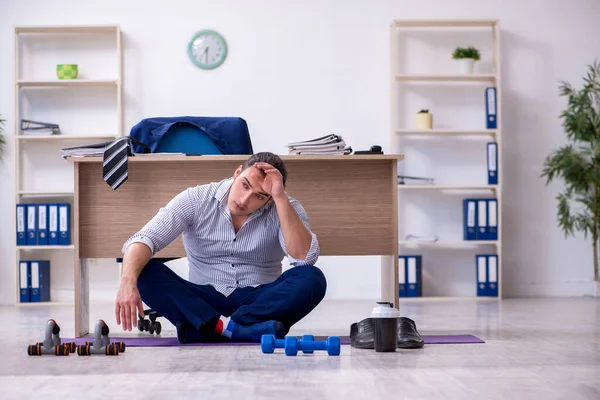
(235, 234)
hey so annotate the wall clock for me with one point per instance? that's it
(207, 49)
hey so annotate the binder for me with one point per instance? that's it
(490, 108)
(53, 224)
(21, 225)
(492, 163)
(24, 282)
(64, 226)
(492, 208)
(401, 276)
(492, 286)
(31, 224)
(469, 219)
(40, 281)
(413, 276)
(482, 230)
(42, 224)
(481, 271)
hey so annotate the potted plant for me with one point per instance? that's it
(578, 163)
(466, 57)
(424, 119)
(2, 138)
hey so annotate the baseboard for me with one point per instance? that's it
(584, 288)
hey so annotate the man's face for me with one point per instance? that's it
(246, 194)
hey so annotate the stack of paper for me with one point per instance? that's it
(329, 144)
(90, 150)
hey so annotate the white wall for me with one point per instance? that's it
(297, 70)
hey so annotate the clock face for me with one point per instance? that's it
(207, 49)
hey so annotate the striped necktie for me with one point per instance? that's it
(114, 167)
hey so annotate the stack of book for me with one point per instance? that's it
(330, 144)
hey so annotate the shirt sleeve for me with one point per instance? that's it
(314, 250)
(168, 223)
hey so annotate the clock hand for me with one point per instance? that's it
(206, 54)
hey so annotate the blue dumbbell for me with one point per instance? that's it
(292, 345)
(268, 343)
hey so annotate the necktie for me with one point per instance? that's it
(114, 167)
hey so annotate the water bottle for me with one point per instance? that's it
(385, 327)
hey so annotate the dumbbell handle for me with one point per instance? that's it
(302, 345)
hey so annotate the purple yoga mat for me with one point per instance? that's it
(157, 341)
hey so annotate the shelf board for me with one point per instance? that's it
(445, 23)
(447, 132)
(68, 83)
(64, 137)
(31, 193)
(26, 248)
(445, 77)
(68, 29)
(448, 243)
(447, 187)
(449, 298)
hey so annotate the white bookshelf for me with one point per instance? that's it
(432, 77)
(51, 48)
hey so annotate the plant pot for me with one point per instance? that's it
(466, 65)
(424, 121)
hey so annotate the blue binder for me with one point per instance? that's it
(492, 163)
(481, 274)
(401, 276)
(469, 219)
(42, 224)
(40, 280)
(64, 226)
(492, 271)
(490, 108)
(53, 224)
(21, 225)
(24, 282)
(492, 209)
(31, 224)
(482, 218)
(414, 286)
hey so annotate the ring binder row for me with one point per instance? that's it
(43, 224)
(34, 281)
(410, 283)
(480, 219)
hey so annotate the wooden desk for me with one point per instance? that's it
(351, 202)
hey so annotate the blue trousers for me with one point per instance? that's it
(288, 299)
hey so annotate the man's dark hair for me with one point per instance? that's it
(268, 158)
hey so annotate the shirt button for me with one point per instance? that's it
(238, 282)
(234, 239)
(231, 254)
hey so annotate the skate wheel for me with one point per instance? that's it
(62, 350)
(151, 329)
(121, 347)
(112, 350)
(34, 349)
(158, 328)
(83, 350)
(72, 347)
(140, 327)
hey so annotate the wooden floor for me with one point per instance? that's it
(535, 349)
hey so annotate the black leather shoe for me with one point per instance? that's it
(361, 334)
(408, 336)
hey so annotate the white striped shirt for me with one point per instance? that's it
(218, 256)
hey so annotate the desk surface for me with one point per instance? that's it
(153, 157)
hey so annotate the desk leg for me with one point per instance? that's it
(82, 298)
(389, 280)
